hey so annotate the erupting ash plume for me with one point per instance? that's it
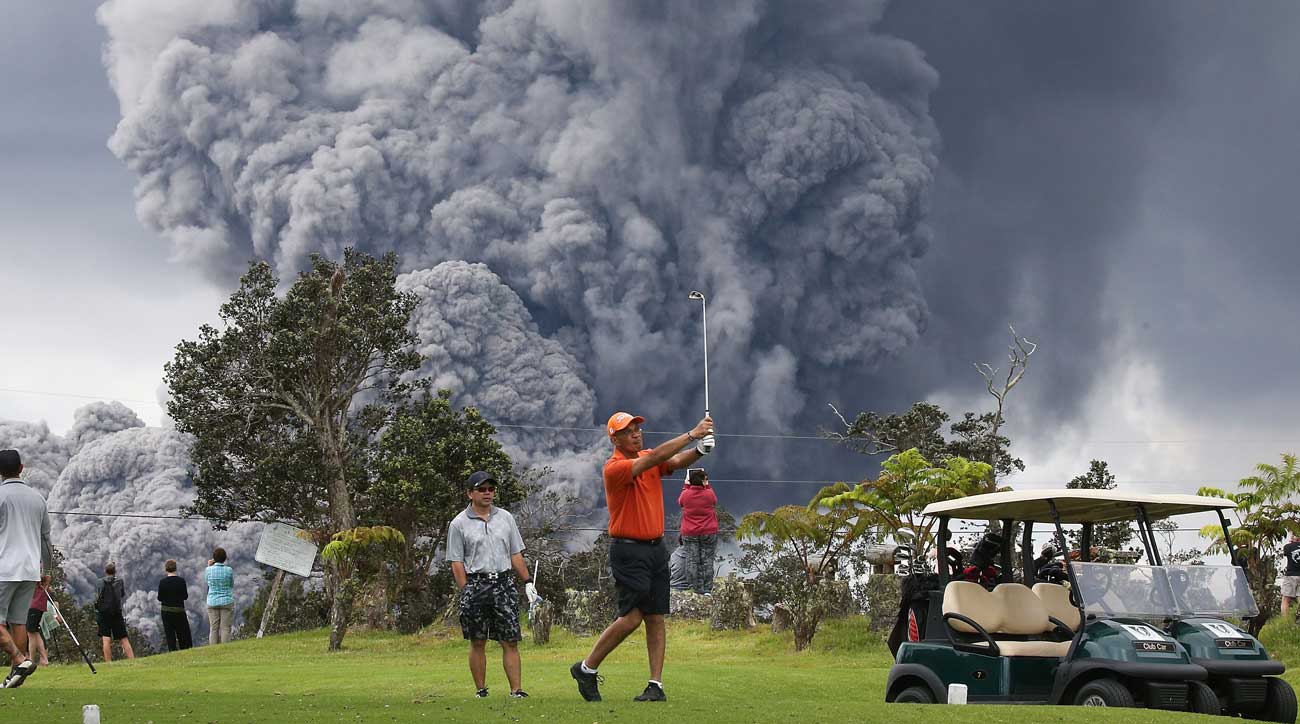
(600, 159)
(44, 453)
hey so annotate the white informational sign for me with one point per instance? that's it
(281, 547)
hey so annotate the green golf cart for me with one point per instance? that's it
(1101, 634)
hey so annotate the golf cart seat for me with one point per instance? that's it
(1005, 618)
(1056, 599)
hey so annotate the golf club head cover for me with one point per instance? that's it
(705, 445)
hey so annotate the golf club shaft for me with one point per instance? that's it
(704, 315)
(68, 627)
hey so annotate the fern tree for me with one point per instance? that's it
(813, 536)
(906, 484)
(1266, 514)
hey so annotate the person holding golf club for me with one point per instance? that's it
(637, 555)
(483, 545)
(25, 553)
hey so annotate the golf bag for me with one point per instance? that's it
(913, 609)
(982, 569)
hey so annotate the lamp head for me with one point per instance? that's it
(696, 295)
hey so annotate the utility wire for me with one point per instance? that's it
(774, 436)
(164, 516)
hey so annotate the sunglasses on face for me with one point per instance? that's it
(485, 489)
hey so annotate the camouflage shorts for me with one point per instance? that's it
(489, 609)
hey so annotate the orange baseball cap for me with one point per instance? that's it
(620, 420)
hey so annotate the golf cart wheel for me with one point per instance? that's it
(1202, 699)
(915, 695)
(1279, 701)
(1104, 692)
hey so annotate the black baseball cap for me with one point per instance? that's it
(11, 463)
(478, 479)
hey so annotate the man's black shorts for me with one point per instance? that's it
(489, 608)
(641, 576)
(34, 616)
(111, 624)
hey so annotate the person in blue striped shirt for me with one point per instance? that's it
(221, 597)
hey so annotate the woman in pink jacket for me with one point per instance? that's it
(699, 528)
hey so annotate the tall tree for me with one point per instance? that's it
(283, 399)
(973, 436)
(872, 433)
(1107, 535)
(1018, 353)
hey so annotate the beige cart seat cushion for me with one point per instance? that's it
(1011, 608)
(1022, 612)
(973, 602)
(1056, 599)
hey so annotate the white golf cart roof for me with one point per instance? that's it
(1074, 506)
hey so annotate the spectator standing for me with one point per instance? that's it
(172, 594)
(221, 597)
(35, 612)
(699, 528)
(25, 553)
(108, 613)
(679, 578)
(1291, 576)
(483, 546)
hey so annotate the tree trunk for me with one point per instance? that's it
(805, 627)
(340, 603)
(343, 518)
(780, 618)
(272, 601)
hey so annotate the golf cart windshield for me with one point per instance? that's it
(1109, 589)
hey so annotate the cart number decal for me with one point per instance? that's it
(1224, 630)
(1143, 633)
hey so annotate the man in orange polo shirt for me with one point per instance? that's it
(637, 556)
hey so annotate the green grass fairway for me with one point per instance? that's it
(710, 677)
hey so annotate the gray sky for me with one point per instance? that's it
(92, 304)
(1118, 180)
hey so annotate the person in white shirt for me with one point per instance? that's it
(25, 553)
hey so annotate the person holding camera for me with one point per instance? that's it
(637, 555)
(483, 546)
(699, 528)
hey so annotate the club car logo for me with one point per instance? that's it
(1224, 630)
(1146, 638)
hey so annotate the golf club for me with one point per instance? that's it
(704, 316)
(59, 616)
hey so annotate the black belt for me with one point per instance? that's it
(488, 576)
(653, 542)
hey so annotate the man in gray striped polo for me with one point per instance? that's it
(483, 545)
